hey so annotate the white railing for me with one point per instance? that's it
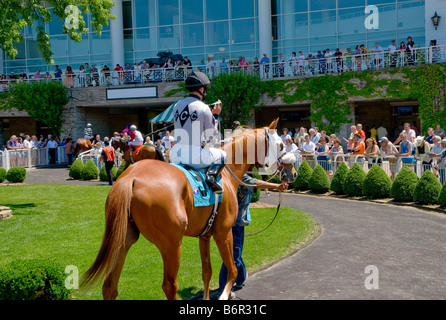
(95, 155)
(291, 68)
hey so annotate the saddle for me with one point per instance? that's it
(203, 195)
(135, 152)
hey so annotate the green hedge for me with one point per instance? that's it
(303, 176)
(337, 183)
(354, 181)
(89, 171)
(120, 169)
(442, 197)
(377, 183)
(103, 174)
(2, 174)
(33, 280)
(76, 169)
(404, 184)
(427, 189)
(319, 181)
(16, 174)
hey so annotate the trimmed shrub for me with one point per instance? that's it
(427, 189)
(2, 174)
(120, 169)
(256, 195)
(337, 183)
(76, 169)
(303, 176)
(354, 180)
(442, 197)
(16, 174)
(89, 171)
(103, 175)
(319, 181)
(33, 280)
(377, 183)
(404, 185)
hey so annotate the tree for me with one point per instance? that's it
(44, 101)
(17, 14)
(239, 93)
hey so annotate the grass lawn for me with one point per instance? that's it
(66, 223)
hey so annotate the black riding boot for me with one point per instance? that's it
(211, 177)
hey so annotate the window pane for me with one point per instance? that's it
(351, 3)
(141, 13)
(409, 15)
(127, 14)
(59, 45)
(323, 23)
(351, 21)
(168, 12)
(245, 10)
(217, 32)
(192, 11)
(100, 44)
(145, 39)
(217, 9)
(291, 6)
(169, 38)
(193, 35)
(55, 25)
(295, 26)
(78, 48)
(243, 30)
(322, 4)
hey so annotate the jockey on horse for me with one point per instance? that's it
(88, 132)
(136, 138)
(195, 125)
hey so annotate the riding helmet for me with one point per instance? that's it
(196, 80)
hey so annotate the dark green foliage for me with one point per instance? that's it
(354, 181)
(427, 189)
(16, 174)
(239, 93)
(404, 184)
(442, 197)
(76, 169)
(2, 174)
(120, 169)
(377, 183)
(42, 100)
(103, 175)
(337, 183)
(303, 176)
(33, 280)
(319, 181)
(90, 171)
(256, 195)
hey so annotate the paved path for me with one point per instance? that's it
(407, 246)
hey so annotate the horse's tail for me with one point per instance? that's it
(76, 148)
(117, 213)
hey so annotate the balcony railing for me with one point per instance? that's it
(296, 68)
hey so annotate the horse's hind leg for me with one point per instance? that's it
(171, 259)
(224, 243)
(110, 286)
(205, 252)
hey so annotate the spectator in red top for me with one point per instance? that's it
(358, 145)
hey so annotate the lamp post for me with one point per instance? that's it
(435, 20)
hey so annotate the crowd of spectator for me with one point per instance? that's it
(310, 144)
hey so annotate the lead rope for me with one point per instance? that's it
(253, 185)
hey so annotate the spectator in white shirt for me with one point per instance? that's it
(308, 148)
(168, 141)
(411, 135)
(52, 147)
(285, 135)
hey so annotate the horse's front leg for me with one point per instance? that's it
(205, 252)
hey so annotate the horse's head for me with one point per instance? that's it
(276, 157)
(118, 143)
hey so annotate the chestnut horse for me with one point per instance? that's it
(82, 145)
(155, 198)
(146, 152)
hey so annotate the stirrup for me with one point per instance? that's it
(214, 185)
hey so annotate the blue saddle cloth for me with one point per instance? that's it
(203, 196)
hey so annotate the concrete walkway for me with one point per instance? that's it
(405, 247)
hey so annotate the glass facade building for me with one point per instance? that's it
(228, 28)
